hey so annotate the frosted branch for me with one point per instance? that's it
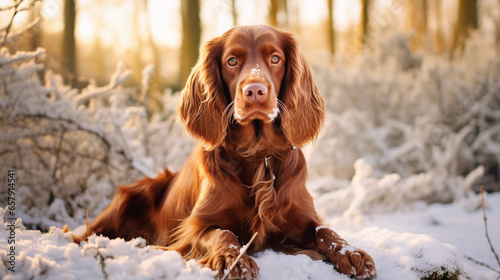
(19, 56)
(118, 78)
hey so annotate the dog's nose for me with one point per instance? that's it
(255, 91)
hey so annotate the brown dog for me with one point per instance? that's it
(250, 101)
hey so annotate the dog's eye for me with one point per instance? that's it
(232, 61)
(275, 59)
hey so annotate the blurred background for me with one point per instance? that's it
(85, 38)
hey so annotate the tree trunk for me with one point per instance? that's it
(439, 41)
(69, 44)
(191, 24)
(235, 13)
(273, 13)
(331, 28)
(365, 18)
(467, 19)
(417, 21)
(277, 8)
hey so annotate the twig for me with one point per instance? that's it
(481, 263)
(483, 206)
(486, 227)
(9, 25)
(25, 29)
(242, 251)
(17, 9)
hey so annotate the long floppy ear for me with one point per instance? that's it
(304, 116)
(202, 102)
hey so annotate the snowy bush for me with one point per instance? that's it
(407, 127)
(71, 149)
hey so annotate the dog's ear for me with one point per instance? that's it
(202, 102)
(304, 116)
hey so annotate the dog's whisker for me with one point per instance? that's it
(228, 112)
(228, 108)
(281, 106)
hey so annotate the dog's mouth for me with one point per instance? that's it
(246, 116)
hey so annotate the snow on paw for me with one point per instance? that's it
(345, 258)
(364, 267)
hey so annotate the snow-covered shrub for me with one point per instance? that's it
(433, 125)
(71, 149)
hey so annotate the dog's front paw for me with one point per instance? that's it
(362, 264)
(245, 267)
(345, 258)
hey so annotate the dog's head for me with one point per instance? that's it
(251, 73)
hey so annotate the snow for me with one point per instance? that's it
(53, 256)
(274, 114)
(255, 72)
(450, 224)
(404, 245)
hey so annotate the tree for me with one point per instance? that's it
(331, 28)
(365, 17)
(191, 25)
(439, 41)
(234, 12)
(69, 42)
(467, 20)
(417, 20)
(277, 8)
(273, 13)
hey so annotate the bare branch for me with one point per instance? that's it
(483, 207)
(481, 263)
(6, 8)
(17, 9)
(9, 25)
(486, 227)
(122, 150)
(29, 26)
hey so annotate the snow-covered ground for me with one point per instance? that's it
(449, 224)
(404, 245)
